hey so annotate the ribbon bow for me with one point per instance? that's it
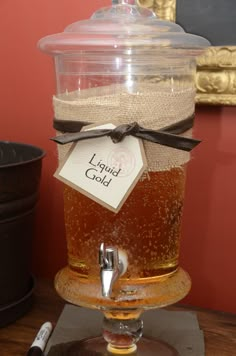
(166, 136)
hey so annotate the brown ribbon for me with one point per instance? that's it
(167, 136)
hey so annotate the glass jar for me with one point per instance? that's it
(125, 65)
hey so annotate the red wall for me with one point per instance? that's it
(27, 86)
(209, 229)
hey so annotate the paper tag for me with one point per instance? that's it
(102, 170)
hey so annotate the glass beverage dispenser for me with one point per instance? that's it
(125, 65)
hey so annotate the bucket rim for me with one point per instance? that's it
(41, 155)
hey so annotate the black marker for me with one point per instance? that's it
(38, 346)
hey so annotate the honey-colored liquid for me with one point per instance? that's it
(147, 227)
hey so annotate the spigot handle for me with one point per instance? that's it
(113, 263)
(108, 257)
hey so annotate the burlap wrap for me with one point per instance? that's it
(150, 108)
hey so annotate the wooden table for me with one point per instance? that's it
(15, 339)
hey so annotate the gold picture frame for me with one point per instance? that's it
(216, 69)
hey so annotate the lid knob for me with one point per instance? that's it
(130, 2)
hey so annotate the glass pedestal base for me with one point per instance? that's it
(141, 294)
(98, 347)
(122, 328)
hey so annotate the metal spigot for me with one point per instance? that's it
(111, 268)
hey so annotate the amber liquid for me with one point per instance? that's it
(147, 227)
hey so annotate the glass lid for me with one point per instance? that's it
(124, 25)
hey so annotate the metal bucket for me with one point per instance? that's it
(20, 173)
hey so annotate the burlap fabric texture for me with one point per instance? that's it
(150, 107)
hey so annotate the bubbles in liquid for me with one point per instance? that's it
(147, 227)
